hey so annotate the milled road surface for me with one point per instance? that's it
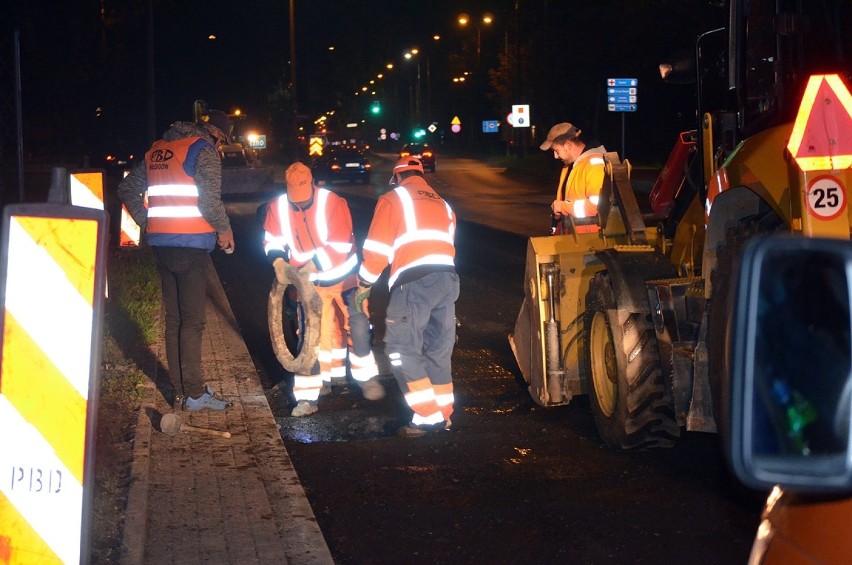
(513, 482)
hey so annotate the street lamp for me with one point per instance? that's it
(412, 54)
(487, 19)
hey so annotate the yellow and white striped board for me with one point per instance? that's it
(52, 267)
(130, 232)
(86, 189)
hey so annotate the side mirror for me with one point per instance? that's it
(790, 359)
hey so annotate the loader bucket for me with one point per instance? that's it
(551, 316)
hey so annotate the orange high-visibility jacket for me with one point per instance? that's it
(321, 233)
(172, 193)
(412, 226)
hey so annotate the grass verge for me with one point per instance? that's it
(131, 328)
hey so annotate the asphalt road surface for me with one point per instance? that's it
(513, 482)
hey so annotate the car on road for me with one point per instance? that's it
(124, 160)
(342, 164)
(422, 151)
(116, 156)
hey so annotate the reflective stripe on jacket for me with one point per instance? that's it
(321, 233)
(412, 227)
(172, 192)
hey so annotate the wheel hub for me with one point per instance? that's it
(603, 364)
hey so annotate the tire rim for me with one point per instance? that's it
(602, 361)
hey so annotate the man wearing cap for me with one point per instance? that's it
(582, 175)
(175, 195)
(413, 230)
(311, 229)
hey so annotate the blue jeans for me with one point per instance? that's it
(183, 275)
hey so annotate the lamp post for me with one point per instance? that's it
(487, 19)
(479, 81)
(409, 55)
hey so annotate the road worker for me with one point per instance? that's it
(175, 195)
(311, 229)
(413, 231)
(581, 178)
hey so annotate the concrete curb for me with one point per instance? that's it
(196, 500)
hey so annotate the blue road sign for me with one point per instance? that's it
(622, 82)
(622, 94)
(622, 99)
(490, 126)
(621, 107)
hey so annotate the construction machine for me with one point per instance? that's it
(242, 170)
(636, 313)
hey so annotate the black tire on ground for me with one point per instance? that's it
(720, 307)
(627, 389)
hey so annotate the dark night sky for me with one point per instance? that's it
(74, 60)
(252, 50)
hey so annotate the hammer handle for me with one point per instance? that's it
(188, 428)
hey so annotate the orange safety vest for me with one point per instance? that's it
(172, 193)
(412, 226)
(322, 233)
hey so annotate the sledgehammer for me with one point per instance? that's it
(172, 424)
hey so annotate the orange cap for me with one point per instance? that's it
(299, 182)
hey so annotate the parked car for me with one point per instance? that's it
(342, 164)
(422, 151)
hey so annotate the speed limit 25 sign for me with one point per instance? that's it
(826, 197)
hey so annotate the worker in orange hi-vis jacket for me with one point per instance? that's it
(175, 196)
(311, 229)
(413, 231)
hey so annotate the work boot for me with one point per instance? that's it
(325, 390)
(207, 401)
(411, 430)
(304, 408)
(372, 389)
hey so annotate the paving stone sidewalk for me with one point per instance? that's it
(199, 498)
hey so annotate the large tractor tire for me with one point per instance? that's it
(628, 393)
(302, 360)
(720, 308)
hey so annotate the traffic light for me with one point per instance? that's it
(376, 109)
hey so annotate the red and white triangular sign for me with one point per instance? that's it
(822, 134)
